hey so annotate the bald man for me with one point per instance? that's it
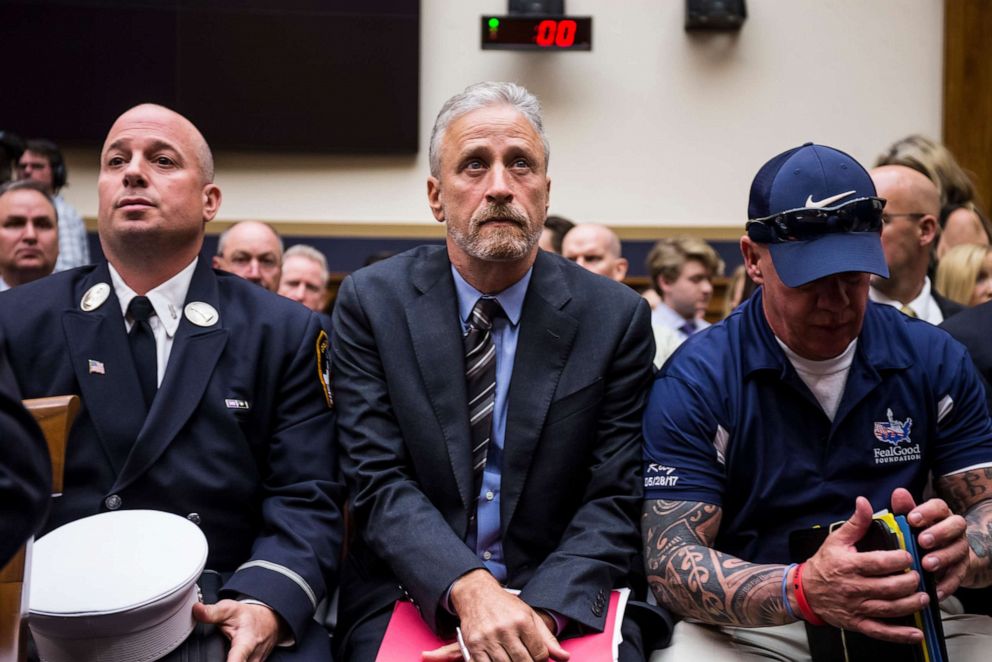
(909, 233)
(206, 396)
(253, 251)
(596, 248)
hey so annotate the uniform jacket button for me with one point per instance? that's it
(113, 502)
(194, 518)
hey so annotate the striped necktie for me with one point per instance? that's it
(480, 381)
(908, 311)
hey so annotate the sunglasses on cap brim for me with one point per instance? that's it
(861, 215)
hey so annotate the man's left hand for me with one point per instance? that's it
(942, 537)
(253, 629)
(453, 652)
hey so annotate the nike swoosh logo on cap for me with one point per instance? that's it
(820, 204)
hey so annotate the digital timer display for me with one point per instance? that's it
(537, 33)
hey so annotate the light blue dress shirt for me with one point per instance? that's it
(488, 542)
(664, 315)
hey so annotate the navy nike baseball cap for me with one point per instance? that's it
(817, 210)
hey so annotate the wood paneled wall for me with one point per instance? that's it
(968, 89)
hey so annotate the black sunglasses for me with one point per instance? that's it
(862, 215)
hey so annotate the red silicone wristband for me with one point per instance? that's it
(805, 611)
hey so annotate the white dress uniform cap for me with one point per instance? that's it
(115, 587)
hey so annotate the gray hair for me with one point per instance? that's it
(482, 95)
(31, 185)
(308, 252)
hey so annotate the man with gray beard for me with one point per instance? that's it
(489, 397)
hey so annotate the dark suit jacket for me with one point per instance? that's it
(238, 438)
(571, 492)
(25, 472)
(947, 307)
(973, 328)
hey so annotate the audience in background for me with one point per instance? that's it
(909, 231)
(43, 162)
(651, 297)
(739, 289)
(962, 223)
(29, 233)
(253, 251)
(305, 279)
(304, 276)
(682, 271)
(11, 148)
(964, 274)
(954, 186)
(596, 248)
(936, 162)
(555, 229)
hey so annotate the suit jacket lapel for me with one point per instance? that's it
(543, 347)
(432, 319)
(109, 385)
(195, 352)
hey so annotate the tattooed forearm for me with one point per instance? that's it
(963, 490)
(979, 519)
(696, 581)
(969, 493)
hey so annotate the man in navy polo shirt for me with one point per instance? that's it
(806, 403)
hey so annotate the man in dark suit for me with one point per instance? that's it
(909, 233)
(549, 505)
(971, 328)
(25, 473)
(200, 391)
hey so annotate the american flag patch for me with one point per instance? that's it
(96, 367)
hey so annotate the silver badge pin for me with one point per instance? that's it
(201, 314)
(94, 297)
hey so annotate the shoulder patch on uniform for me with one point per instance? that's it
(323, 348)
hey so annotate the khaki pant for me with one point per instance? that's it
(968, 637)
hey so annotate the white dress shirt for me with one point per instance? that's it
(923, 305)
(167, 299)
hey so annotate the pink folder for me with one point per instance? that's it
(408, 636)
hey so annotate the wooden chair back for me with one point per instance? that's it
(54, 416)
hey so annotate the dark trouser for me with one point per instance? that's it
(363, 644)
(365, 638)
(208, 644)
